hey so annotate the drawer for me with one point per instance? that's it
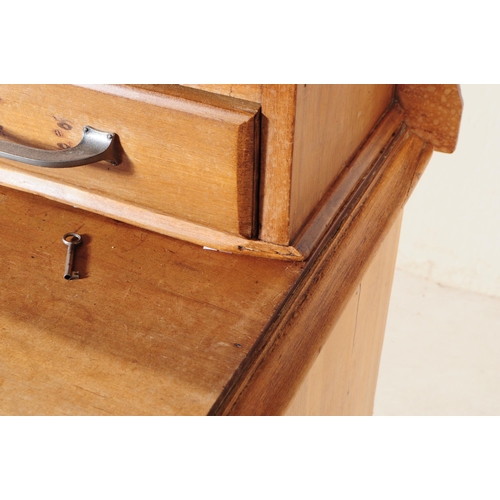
(262, 170)
(186, 155)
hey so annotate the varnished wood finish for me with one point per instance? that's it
(187, 154)
(278, 127)
(141, 217)
(154, 326)
(309, 143)
(342, 380)
(159, 326)
(250, 92)
(433, 112)
(310, 132)
(324, 389)
(351, 183)
(331, 122)
(292, 341)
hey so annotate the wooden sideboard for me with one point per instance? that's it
(238, 260)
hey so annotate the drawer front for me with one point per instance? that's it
(186, 154)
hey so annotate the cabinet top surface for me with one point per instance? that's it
(155, 325)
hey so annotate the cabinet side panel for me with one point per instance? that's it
(332, 121)
(343, 378)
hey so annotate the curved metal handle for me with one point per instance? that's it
(94, 146)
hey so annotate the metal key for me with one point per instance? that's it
(76, 239)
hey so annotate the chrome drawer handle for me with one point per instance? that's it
(94, 146)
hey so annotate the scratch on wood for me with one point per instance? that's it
(358, 292)
(102, 409)
(92, 392)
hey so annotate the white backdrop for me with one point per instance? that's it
(451, 227)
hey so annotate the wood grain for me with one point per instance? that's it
(287, 349)
(145, 218)
(158, 326)
(277, 140)
(433, 112)
(310, 132)
(342, 380)
(251, 92)
(186, 155)
(351, 183)
(331, 123)
(155, 326)
(309, 142)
